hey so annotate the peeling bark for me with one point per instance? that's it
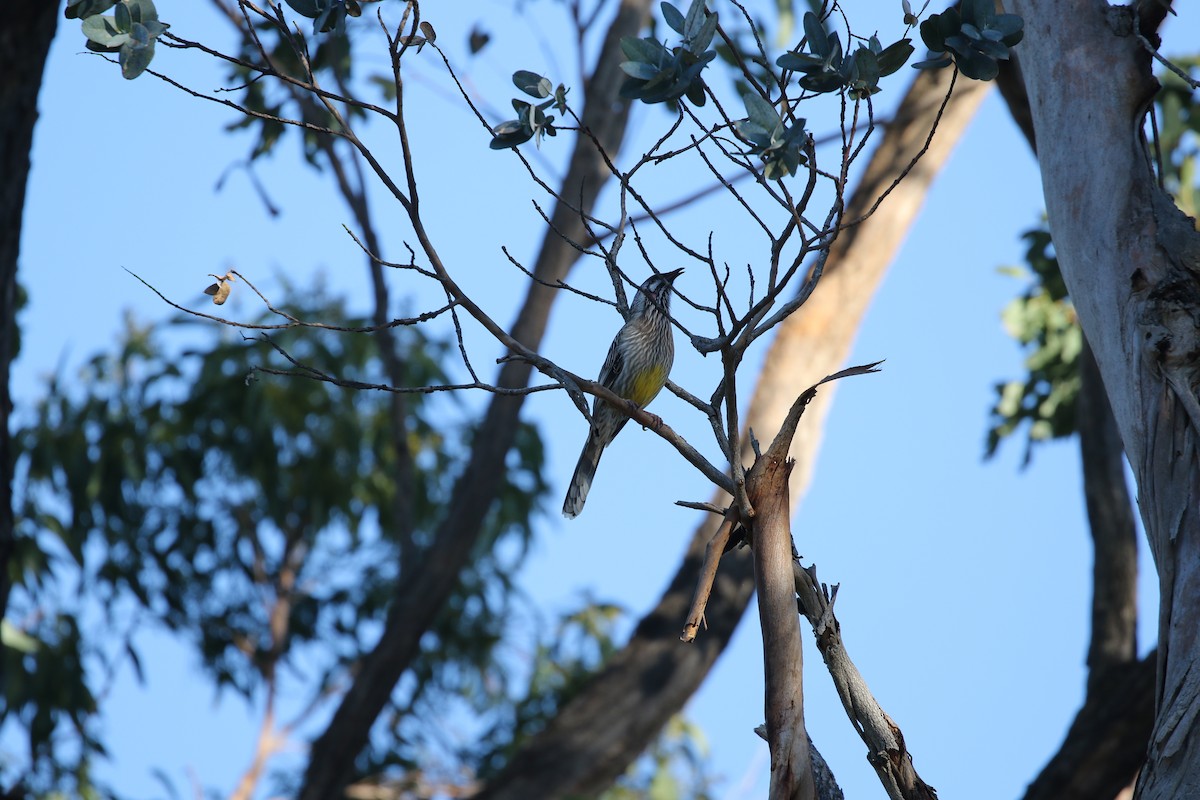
(1131, 261)
(783, 662)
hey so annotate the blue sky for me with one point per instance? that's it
(964, 584)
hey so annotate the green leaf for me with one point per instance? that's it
(1011, 28)
(979, 12)
(103, 31)
(799, 62)
(123, 19)
(308, 8)
(646, 50)
(704, 36)
(142, 11)
(818, 40)
(866, 69)
(532, 84)
(135, 57)
(934, 63)
(155, 28)
(978, 66)
(639, 69)
(673, 17)
(695, 19)
(894, 56)
(938, 27)
(761, 113)
(82, 9)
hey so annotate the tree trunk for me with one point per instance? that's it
(1131, 261)
(24, 43)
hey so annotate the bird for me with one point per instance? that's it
(638, 363)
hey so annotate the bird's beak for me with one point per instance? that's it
(673, 274)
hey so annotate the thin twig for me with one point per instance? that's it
(717, 547)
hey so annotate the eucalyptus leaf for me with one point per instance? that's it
(308, 8)
(639, 69)
(103, 31)
(673, 17)
(818, 40)
(694, 20)
(761, 113)
(135, 58)
(122, 18)
(532, 84)
(82, 9)
(894, 56)
(704, 36)
(799, 62)
(142, 11)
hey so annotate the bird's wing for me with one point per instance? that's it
(613, 364)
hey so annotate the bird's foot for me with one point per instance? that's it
(655, 420)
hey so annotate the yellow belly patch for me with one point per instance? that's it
(646, 385)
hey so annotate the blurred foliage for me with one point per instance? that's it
(581, 643)
(1178, 119)
(674, 768)
(253, 518)
(1043, 319)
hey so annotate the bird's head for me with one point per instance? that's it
(656, 291)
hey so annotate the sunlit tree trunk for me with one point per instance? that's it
(1131, 261)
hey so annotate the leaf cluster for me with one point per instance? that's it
(130, 31)
(975, 39)
(580, 644)
(1179, 135)
(658, 74)
(781, 147)
(825, 68)
(532, 121)
(661, 74)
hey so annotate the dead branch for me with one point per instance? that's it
(886, 750)
(717, 547)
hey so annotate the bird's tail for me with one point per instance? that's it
(581, 481)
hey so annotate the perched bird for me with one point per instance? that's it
(638, 363)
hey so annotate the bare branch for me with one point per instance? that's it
(291, 322)
(885, 743)
(717, 547)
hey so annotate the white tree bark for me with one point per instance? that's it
(1131, 261)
